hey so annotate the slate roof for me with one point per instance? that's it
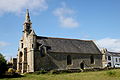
(63, 45)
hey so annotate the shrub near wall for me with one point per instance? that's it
(3, 65)
(40, 72)
(11, 71)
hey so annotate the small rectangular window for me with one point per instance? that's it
(116, 60)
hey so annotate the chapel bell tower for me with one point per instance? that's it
(27, 24)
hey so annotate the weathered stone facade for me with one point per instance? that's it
(59, 61)
(38, 53)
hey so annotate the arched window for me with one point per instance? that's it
(109, 57)
(92, 59)
(69, 60)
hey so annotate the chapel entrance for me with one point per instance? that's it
(82, 65)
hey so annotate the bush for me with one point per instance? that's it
(3, 65)
(11, 71)
(54, 72)
(40, 72)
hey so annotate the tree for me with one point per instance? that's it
(3, 65)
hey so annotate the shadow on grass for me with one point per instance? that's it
(111, 73)
(11, 76)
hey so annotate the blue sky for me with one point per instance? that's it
(97, 20)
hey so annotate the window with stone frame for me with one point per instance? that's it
(109, 57)
(69, 60)
(92, 61)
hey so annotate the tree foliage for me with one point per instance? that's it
(3, 65)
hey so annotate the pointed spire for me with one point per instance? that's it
(27, 17)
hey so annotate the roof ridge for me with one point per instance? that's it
(64, 38)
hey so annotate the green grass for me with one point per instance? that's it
(99, 75)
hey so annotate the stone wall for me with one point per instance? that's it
(59, 61)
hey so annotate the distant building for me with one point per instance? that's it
(37, 52)
(111, 59)
(12, 63)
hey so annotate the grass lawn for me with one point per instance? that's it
(99, 75)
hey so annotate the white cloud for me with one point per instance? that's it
(17, 6)
(65, 16)
(2, 44)
(110, 44)
(68, 22)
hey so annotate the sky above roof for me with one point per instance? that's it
(97, 20)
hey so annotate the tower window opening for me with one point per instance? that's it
(21, 45)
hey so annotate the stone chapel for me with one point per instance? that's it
(50, 53)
